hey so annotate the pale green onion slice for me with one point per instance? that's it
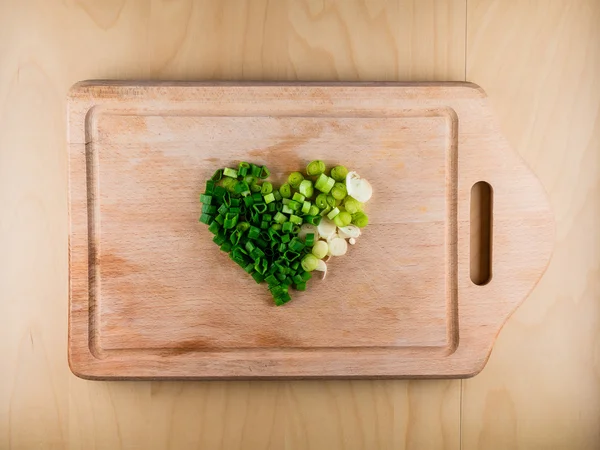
(358, 187)
(320, 249)
(326, 228)
(310, 262)
(337, 247)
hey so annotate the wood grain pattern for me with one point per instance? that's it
(540, 381)
(548, 101)
(147, 294)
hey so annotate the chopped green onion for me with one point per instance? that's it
(300, 286)
(285, 238)
(296, 245)
(232, 173)
(352, 205)
(298, 197)
(258, 277)
(310, 262)
(334, 212)
(254, 232)
(306, 188)
(295, 219)
(338, 173)
(269, 198)
(324, 183)
(313, 220)
(210, 186)
(219, 239)
(331, 201)
(214, 227)
(321, 201)
(295, 179)
(255, 187)
(339, 191)
(242, 226)
(264, 172)
(226, 247)
(320, 249)
(267, 188)
(277, 195)
(279, 217)
(316, 167)
(287, 227)
(255, 170)
(217, 175)
(296, 206)
(243, 169)
(313, 211)
(360, 219)
(342, 219)
(209, 209)
(305, 207)
(287, 210)
(309, 240)
(285, 190)
(206, 199)
(206, 218)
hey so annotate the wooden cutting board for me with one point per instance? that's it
(152, 297)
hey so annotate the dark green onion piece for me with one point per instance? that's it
(310, 240)
(206, 218)
(219, 239)
(258, 277)
(206, 199)
(296, 245)
(300, 286)
(210, 186)
(209, 209)
(214, 227)
(254, 232)
(264, 172)
(255, 187)
(226, 247)
(217, 175)
(255, 170)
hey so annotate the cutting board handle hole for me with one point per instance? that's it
(482, 197)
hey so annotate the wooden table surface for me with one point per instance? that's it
(539, 61)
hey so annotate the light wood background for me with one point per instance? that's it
(539, 61)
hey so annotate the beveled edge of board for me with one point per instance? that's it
(89, 89)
